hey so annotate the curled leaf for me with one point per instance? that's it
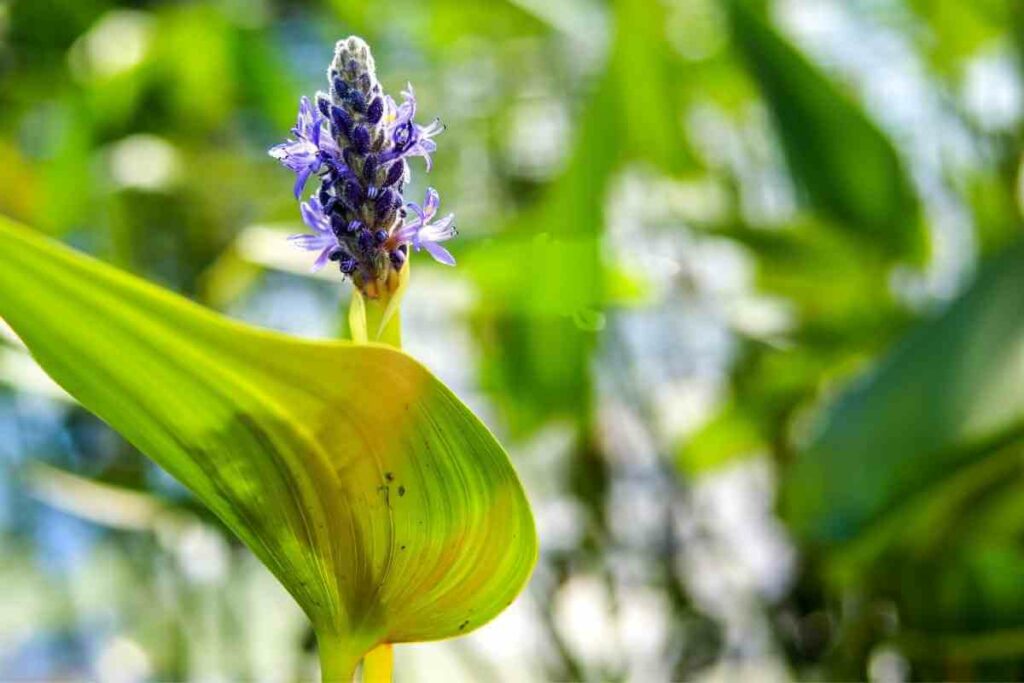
(377, 498)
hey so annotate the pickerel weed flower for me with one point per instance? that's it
(356, 140)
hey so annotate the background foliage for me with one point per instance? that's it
(740, 284)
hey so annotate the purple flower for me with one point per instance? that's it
(310, 150)
(410, 138)
(422, 233)
(357, 141)
(323, 238)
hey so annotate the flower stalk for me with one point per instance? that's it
(337, 662)
(378, 319)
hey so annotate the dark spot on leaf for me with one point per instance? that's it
(390, 476)
(401, 547)
(401, 490)
(463, 625)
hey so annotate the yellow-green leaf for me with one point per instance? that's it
(378, 499)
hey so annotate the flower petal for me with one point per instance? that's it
(418, 210)
(439, 231)
(407, 232)
(307, 116)
(313, 242)
(313, 216)
(300, 180)
(280, 151)
(440, 254)
(430, 203)
(323, 258)
(432, 129)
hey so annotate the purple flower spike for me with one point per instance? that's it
(422, 232)
(357, 141)
(310, 150)
(322, 239)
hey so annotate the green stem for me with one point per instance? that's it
(377, 319)
(340, 657)
(337, 664)
(370, 320)
(391, 332)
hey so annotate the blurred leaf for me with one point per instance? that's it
(943, 399)
(264, 79)
(979, 588)
(193, 55)
(840, 293)
(64, 133)
(844, 311)
(925, 552)
(837, 283)
(18, 184)
(534, 290)
(375, 496)
(959, 28)
(110, 63)
(48, 28)
(438, 24)
(993, 199)
(642, 64)
(495, 20)
(731, 434)
(540, 292)
(849, 170)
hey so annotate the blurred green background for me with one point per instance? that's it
(740, 285)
